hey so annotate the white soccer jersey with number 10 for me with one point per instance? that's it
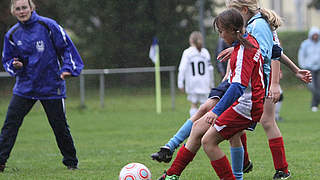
(195, 71)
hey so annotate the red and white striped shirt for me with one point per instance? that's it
(246, 66)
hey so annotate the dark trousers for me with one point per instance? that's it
(315, 88)
(18, 108)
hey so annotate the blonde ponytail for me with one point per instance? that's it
(270, 16)
(273, 19)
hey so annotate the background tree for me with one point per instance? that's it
(119, 33)
(314, 4)
(113, 33)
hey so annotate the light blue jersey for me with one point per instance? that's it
(260, 29)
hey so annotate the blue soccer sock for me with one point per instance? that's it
(180, 136)
(237, 156)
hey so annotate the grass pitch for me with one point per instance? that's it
(128, 130)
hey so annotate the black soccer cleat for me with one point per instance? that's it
(248, 167)
(2, 167)
(72, 167)
(164, 155)
(281, 175)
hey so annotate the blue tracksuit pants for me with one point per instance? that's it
(54, 108)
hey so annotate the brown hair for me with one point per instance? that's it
(196, 39)
(31, 4)
(273, 19)
(232, 20)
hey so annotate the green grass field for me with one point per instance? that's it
(128, 130)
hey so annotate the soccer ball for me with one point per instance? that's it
(135, 171)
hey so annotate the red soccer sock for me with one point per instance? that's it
(223, 168)
(246, 155)
(184, 157)
(278, 154)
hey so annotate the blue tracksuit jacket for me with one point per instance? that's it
(46, 51)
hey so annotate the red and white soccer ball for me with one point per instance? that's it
(135, 171)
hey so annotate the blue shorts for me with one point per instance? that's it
(252, 126)
(219, 91)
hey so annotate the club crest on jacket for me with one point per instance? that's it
(40, 46)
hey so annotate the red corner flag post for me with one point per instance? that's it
(155, 57)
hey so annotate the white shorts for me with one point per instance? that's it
(197, 98)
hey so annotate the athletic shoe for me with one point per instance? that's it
(73, 167)
(163, 177)
(281, 175)
(314, 109)
(167, 177)
(164, 155)
(173, 177)
(2, 167)
(248, 167)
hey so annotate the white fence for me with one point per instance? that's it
(103, 72)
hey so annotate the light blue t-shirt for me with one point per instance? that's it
(260, 29)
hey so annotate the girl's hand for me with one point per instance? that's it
(182, 90)
(225, 54)
(211, 117)
(274, 92)
(304, 75)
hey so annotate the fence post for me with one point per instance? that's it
(82, 91)
(102, 89)
(172, 88)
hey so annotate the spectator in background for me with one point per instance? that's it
(195, 75)
(31, 51)
(309, 58)
(221, 66)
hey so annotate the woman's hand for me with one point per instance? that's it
(64, 75)
(17, 64)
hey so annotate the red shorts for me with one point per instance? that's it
(230, 122)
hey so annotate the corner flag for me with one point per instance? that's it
(154, 50)
(155, 57)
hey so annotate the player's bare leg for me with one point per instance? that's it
(193, 109)
(165, 153)
(187, 152)
(204, 108)
(199, 128)
(219, 161)
(275, 139)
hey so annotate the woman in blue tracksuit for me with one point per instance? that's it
(40, 55)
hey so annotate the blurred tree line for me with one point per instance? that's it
(118, 34)
(314, 4)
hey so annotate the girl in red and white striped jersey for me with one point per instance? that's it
(241, 105)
